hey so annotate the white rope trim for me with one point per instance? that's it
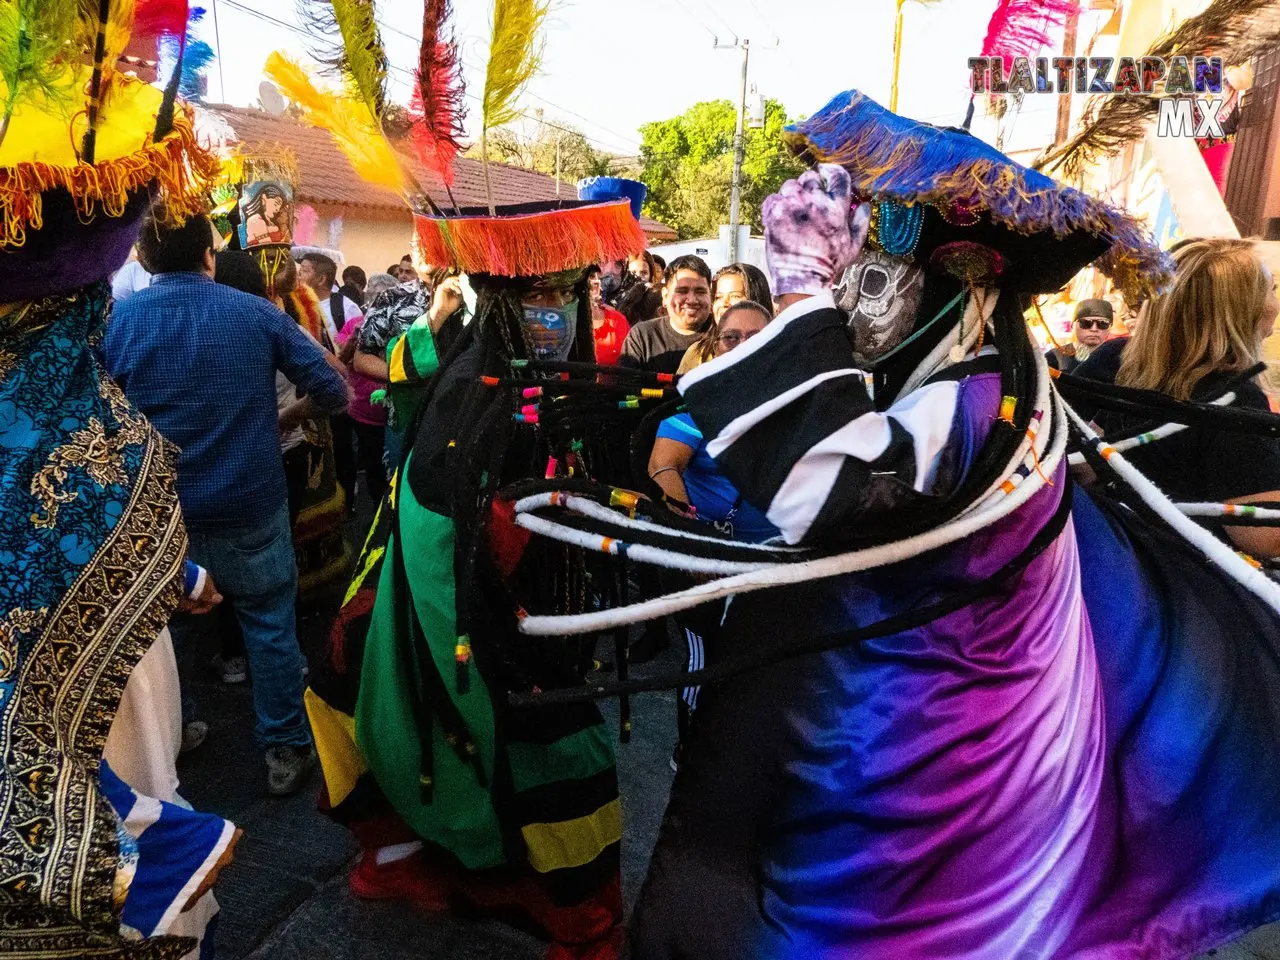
(777, 575)
(636, 551)
(1225, 511)
(1218, 552)
(589, 508)
(1030, 453)
(1151, 436)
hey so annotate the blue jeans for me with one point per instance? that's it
(254, 568)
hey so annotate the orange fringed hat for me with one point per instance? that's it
(528, 240)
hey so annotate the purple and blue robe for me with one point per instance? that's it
(1079, 764)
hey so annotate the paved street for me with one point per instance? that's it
(286, 898)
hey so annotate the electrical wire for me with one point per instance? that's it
(725, 23)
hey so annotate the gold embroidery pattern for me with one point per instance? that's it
(17, 622)
(58, 843)
(91, 450)
(8, 361)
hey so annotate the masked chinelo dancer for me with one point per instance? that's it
(456, 798)
(99, 856)
(975, 712)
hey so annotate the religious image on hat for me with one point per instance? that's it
(266, 214)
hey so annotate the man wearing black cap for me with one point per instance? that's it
(1090, 330)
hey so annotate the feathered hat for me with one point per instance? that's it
(518, 240)
(944, 196)
(84, 148)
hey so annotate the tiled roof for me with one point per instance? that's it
(326, 176)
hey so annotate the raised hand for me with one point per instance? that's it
(811, 233)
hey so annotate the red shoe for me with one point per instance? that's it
(405, 879)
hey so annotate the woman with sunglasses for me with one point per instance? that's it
(680, 464)
(1092, 327)
(1194, 344)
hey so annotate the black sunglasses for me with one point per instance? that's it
(1089, 323)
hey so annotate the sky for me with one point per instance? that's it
(612, 65)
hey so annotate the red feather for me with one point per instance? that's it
(153, 18)
(1020, 28)
(437, 106)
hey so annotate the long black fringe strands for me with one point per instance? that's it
(735, 666)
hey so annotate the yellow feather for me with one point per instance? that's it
(364, 60)
(514, 56)
(349, 122)
(119, 30)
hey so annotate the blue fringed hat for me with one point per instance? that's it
(602, 189)
(947, 198)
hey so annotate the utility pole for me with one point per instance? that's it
(897, 56)
(739, 149)
(1072, 27)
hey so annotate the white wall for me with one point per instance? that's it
(716, 250)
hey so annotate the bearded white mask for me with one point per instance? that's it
(881, 294)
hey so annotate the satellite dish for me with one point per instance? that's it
(272, 102)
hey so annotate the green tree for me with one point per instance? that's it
(687, 162)
(535, 149)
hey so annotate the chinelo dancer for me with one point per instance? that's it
(99, 856)
(976, 711)
(457, 798)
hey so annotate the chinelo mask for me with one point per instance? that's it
(881, 294)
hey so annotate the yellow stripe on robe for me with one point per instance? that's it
(335, 737)
(395, 363)
(573, 843)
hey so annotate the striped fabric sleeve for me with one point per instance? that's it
(789, 420)
(680, 428)
(167, 851)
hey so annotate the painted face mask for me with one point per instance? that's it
(550, 330)
(881, 294)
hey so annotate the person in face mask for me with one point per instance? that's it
(444, 578)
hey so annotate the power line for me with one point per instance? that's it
(294, 28)
(733, 33)
(685, 12)
(765, 21)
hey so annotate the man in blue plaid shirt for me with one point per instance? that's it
(200, 360)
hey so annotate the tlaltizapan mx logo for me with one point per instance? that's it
(1189, 88)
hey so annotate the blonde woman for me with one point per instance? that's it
(1192, 344)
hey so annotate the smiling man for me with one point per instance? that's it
(659, 344)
